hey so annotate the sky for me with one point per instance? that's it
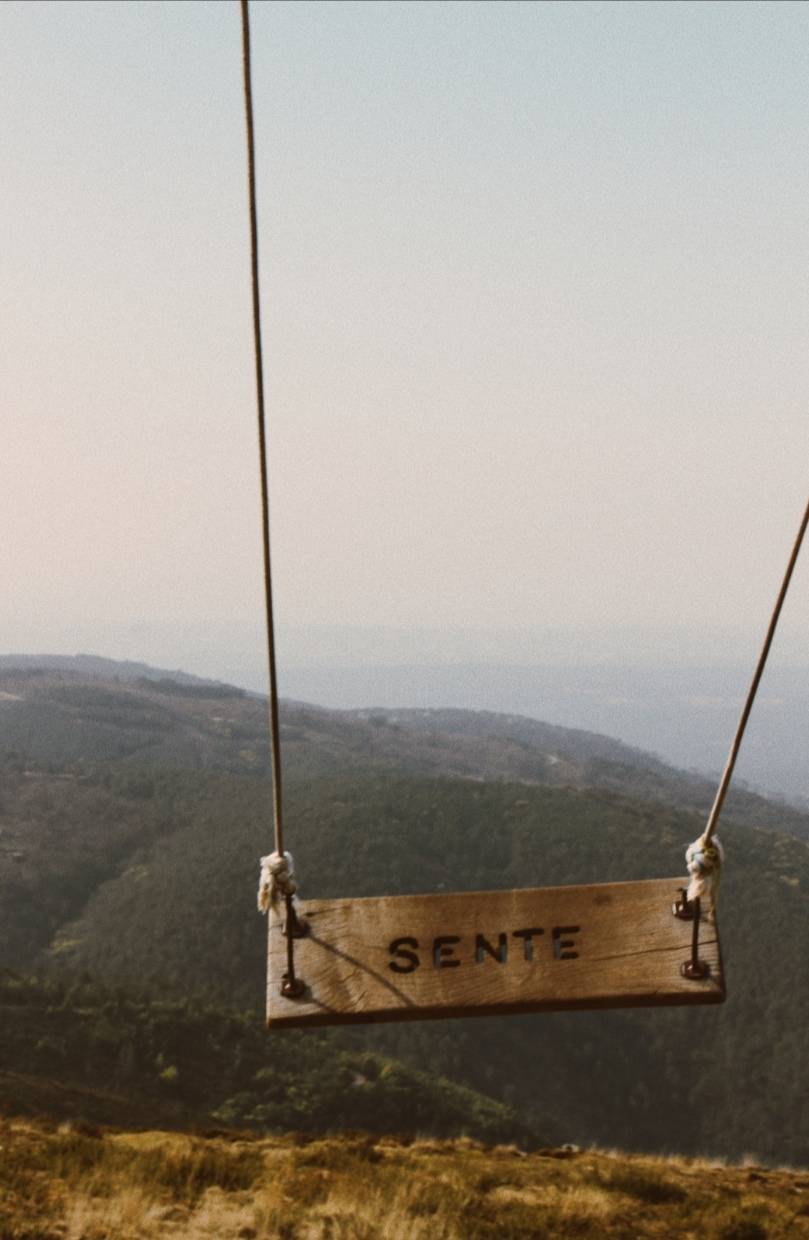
(536, 315)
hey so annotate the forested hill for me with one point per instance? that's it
(129, 1060)
(133, 815)
(128, 712)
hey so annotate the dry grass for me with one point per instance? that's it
(63, 1184)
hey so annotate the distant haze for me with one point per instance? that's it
(685, 715)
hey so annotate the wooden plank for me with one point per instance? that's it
(488, 952)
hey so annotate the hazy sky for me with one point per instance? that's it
(536, 293)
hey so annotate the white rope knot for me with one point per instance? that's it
(276, 881)
(704, 861)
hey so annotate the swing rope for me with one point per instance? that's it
(277, 880)
(704, 857)
(272, 698)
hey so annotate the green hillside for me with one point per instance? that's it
(180, 918)
(83, 1052)
(139, 869)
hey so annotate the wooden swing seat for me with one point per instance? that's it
(487, 953)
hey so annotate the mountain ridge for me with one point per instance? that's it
(185, 727)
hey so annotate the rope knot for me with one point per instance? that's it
(704, 861)
(276, 880)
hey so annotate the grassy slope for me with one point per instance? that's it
(92, 1183)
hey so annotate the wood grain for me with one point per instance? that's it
(488, 952)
